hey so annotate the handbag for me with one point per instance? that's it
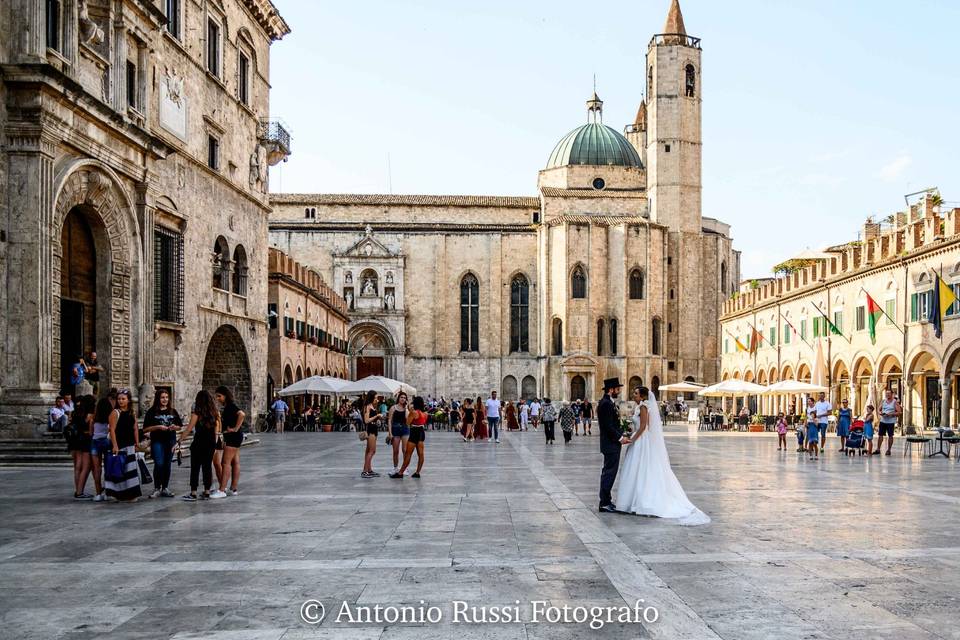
(113, 466)
(145, 477)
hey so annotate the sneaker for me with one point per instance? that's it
(205, 495)
(498, 440)
(190, 497)
(166, 493)
(366, 474)
(217, 494)
(374, 474)
(100, 497)
(155, 494)
(234, 493)
(415, 475)
(396, 476)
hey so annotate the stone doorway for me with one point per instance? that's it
(226, 364)
(578, 388)
(369, 366)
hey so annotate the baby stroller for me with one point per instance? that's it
(855, 440)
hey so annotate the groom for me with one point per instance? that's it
(611, 440)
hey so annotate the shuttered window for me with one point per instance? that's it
(168, 276)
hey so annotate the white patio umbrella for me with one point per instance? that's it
(315, 385)
(378, 384)
(732, 387)
(792, 386)
(682, 387)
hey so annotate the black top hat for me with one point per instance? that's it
(611, 383)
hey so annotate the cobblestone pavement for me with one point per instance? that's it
(840, 548)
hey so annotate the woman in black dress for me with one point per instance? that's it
(205, 421)
(372, 418)
(124, 440)
(468, 419)
(78, 444)
(231, 417)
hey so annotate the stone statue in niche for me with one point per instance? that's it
(389, 301)
(258, 168)
(348, 297)
(389, 277)
(348, 277)
(369, 288)
(90, 31)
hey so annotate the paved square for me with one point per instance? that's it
(841, 548)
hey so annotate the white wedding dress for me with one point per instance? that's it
(647, 483)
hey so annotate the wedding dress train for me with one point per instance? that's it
(647, 483)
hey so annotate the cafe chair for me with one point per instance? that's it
(913, 437)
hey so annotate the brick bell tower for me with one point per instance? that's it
(673, 140)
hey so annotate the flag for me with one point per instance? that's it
(942, 299)
(834, 329)
(873, 317)
(755, 339)
(740, 346)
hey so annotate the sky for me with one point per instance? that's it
(816, 114)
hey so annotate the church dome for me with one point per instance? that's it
(594, 143)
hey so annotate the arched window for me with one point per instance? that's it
(650, 81)
(528, 387)
(519, 314)
(655, 337)
(469, 313)
(723, 277)
(240, 270)
(578, 283)
(221, 264)
(691, 83)
(509, 389)
(636, 285)
(613, 336)
(557, 335)
(655, 386)
(635, 381)
(600, 332)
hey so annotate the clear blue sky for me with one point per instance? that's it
(816, 114)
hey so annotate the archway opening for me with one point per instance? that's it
(226, 364)
(78, 290)
(509, 389)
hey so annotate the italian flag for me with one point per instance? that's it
(873, 317)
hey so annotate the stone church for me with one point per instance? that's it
(133, 197)
(609, 270)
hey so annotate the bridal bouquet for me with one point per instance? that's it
(626, 420)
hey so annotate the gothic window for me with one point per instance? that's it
(519, 314)
(221, 264)
(509, 390)
(650, 81)
(600, 331)
(528, 387)
(723, 277)
(613, 336)
(167, 276)
(655, 337)
(469, 313)
(557, 335)
(635, 381)
(636, 285)
(578, 283)
(691, 83)
(240, 270)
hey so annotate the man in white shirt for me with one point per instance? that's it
(58, 416)
(823, 410)
(493, 416)
(535, 413)
(280, 409)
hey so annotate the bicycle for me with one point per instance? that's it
(265, 422)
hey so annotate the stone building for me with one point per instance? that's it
(895, 263)
(308, 325)
(609, 270)
(134, 195)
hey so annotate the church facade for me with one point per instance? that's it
(609, 270)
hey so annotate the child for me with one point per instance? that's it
(868, 428)
(781, 432)
(813, 433)
(801, 431)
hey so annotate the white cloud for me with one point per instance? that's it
(893, 170)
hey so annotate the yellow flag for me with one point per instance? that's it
(947, 296)
(740, 346)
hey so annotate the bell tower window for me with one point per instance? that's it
(691, 83)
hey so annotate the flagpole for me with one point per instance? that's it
(884, 312)
(829, 322)
(799, 335)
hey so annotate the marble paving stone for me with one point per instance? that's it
(841, 548)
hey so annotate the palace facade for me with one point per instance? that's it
(610, 269)
(895, 263)
(133, 196)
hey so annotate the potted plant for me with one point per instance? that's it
(291, 334)
(313, 339)
(756, 423)
(326, 418)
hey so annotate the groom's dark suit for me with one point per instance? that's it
(610, 446)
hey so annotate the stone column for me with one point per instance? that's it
(906, 402)
(945, 402)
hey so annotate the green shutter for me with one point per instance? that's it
(913, 307)
(773, 336)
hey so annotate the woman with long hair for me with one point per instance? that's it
(480, 430)
(100, 443)
(399, 430)
(162, 423)
(231, 418)
(371, 417)
(124, 440)
(418, 433)
(468, 415)
(78, 444)
(205, 420)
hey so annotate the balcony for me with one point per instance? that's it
(276, 140)
(681, 39)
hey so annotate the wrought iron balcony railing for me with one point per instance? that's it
(276, 139)
(676, 38)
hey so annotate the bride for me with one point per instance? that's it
(647, 483)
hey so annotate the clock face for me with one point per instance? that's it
(598, 183)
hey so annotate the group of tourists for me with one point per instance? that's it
(105, 438)
(405, 426)
(481, 419)
(854, 433)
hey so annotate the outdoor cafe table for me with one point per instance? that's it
(940, 440)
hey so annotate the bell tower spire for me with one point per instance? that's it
(674, 23)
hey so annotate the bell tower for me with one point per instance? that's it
(673, 140)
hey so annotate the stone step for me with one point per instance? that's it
(31, 452)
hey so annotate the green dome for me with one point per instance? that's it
(594, 144)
